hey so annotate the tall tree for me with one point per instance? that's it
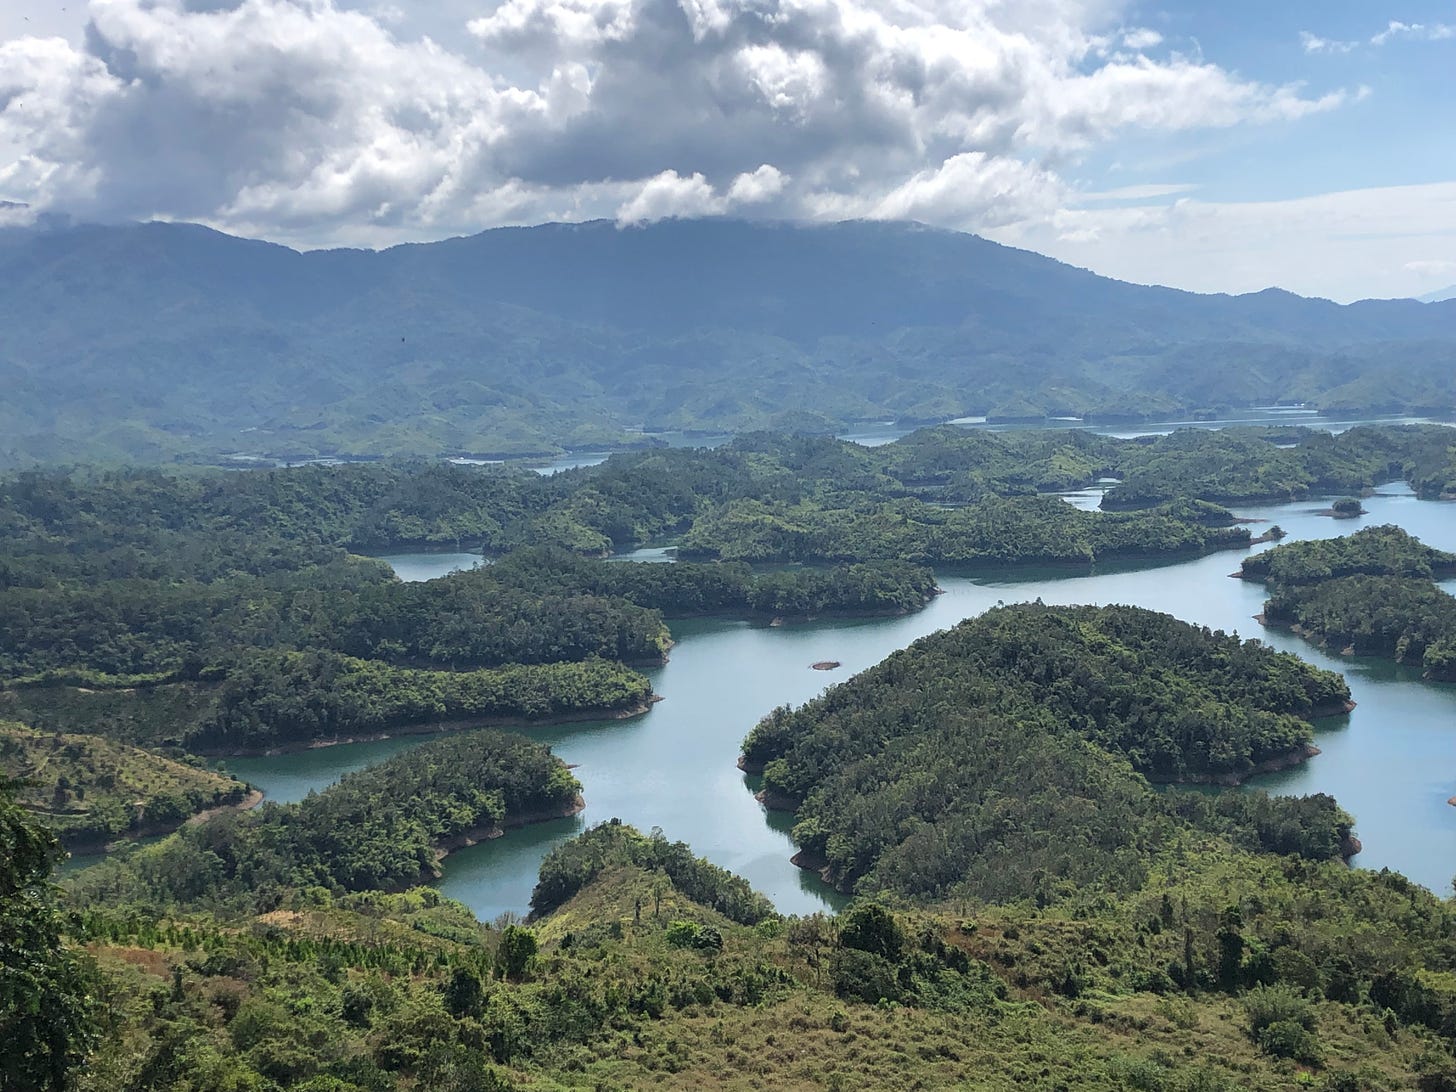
(45, 1003)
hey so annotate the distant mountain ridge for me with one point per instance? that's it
(156, 340)
(1441, 295)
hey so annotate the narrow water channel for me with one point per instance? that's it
(1392, 762)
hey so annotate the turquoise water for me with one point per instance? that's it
(1392, 762)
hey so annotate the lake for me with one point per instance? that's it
(1391, 762)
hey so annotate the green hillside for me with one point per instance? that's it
(90, 790)
(143, 342)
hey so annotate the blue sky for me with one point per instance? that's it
(1392, 137)
(1222, 147)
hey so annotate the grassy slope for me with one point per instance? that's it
(764, 1015)
(90, 789)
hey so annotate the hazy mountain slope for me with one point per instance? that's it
(149, 340)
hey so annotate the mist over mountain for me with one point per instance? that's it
(158, 340)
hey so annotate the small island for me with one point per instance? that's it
(1373, 593)
(1345, 508)
(1011, 713)
(442, 795)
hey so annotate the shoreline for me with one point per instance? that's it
(1349, 653)
(813, 862)
(1288, 760)
(770, 800)
(429, 728)
(488, 832)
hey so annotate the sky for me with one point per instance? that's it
(1217, 147)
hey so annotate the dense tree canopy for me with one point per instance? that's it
(1002, 756)
(1371, 593)
(47, 1018)
(378, 828)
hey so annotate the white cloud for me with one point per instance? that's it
(1343, 246)
(751, 188)
(299, 120)
(1141, 38)
(1394, 31)
(1431, 267)
(669, 196)
(1144, 192)
(971, 188)
(1314, 44)
(1418, 31)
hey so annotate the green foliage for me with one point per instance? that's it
(1314, 827)
(47, 1009)
(689, 934)
(1283, 1023)
(377, 828)
(570, 867)
(90, 790)
(1371, 593)
(1226, 465)
(298, 697)
(993, 759)
(1386, 550)
(994, 530)
(392, 992)
(686, 589)
(873, 929)
(1399, 617)
(514, 954)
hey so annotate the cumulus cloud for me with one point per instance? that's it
(670, 196)
(301, 120)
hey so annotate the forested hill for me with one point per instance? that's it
(996, 759)
(147, 341)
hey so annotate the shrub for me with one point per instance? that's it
(1283, 1022)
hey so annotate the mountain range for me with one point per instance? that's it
(162, 340)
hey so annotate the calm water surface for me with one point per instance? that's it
(1392, 762)
(428, 564)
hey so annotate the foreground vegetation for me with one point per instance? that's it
(1224, 970)
(1046, 919)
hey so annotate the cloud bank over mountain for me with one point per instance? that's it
(302, 120)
